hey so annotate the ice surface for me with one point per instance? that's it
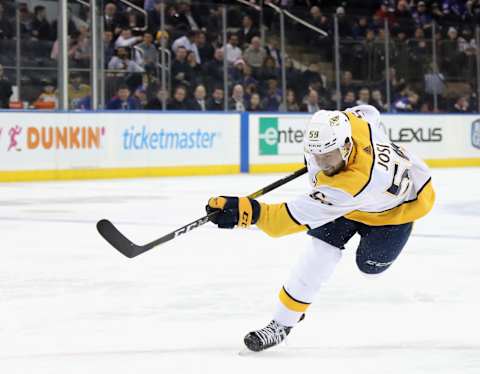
(69, 303)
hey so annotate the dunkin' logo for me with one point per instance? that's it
(34, 138)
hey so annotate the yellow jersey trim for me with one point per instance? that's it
(276, 220)
(290, 303)
(406, 212)
(357, 174)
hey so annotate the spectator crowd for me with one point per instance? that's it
(194, 54)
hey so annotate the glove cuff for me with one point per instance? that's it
(255, 210)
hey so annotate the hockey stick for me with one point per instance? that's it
(112, 235)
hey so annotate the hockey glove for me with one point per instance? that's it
(232, 211)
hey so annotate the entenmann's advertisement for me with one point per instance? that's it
(277, 139)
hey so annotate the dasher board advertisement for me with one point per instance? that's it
(182, 143)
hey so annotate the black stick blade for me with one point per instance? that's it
(110, 233)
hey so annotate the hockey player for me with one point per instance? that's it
(360, 183)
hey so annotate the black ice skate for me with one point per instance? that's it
(271, 335)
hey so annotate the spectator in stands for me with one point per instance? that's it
(5, 90)
(214, 19)
(461, 105)
(236, 72)
(419, 54)
(72, 27)
(148, 5)
(315, 16)
(269, 70)
(188, 42)
(6, 26)
(348, 99)
(113, 20)
(246, 79)
(472, 14)
(359, 29)
(123, 100)
(250, 89)
(154, 16)
(247, 31)
(134, 21)
(274, 52)
(293, 75)
(312, 77)
(363, 96)
(407, 101)
(216, 102)
(404, 21)
(126, 39)
(346, 83)
(254, 104)
(181, 70)
(255, 54)
(48, 95)
(84, 103)
(122, 61)
(196, 70)
(198, 102)
(437, 14)
(26, 19)
(386, 12)
(162, 38)
(455, 11)
(108, 47)
(214, 69)
(187, 20)
(236, 102)
(147, 54)
(421, 16)
(40, 25)
(434, 82)
(377, 101)
(311, 103)
(140, 96)
(205, 48)
(449, 49)
(80, 48)
(77, 90)
(178, 102)
(396, 83)
(234, 53)
(292, 105)
(271, 101)
(344, 23)
(157, 102)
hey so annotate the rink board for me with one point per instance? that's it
(37, 145)
(43, 146)
(275, 140)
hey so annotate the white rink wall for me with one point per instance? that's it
(40, 145)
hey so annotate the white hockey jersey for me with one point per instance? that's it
(382, 184)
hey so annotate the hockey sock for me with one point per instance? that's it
(313, 269)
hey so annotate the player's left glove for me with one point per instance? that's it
(232, 211)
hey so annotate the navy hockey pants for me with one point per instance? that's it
(379, 245)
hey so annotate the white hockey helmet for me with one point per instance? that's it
(326, 131)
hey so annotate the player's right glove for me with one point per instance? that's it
(233, 211)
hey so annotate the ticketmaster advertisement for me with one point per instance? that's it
(442, 140)
(42, 141)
